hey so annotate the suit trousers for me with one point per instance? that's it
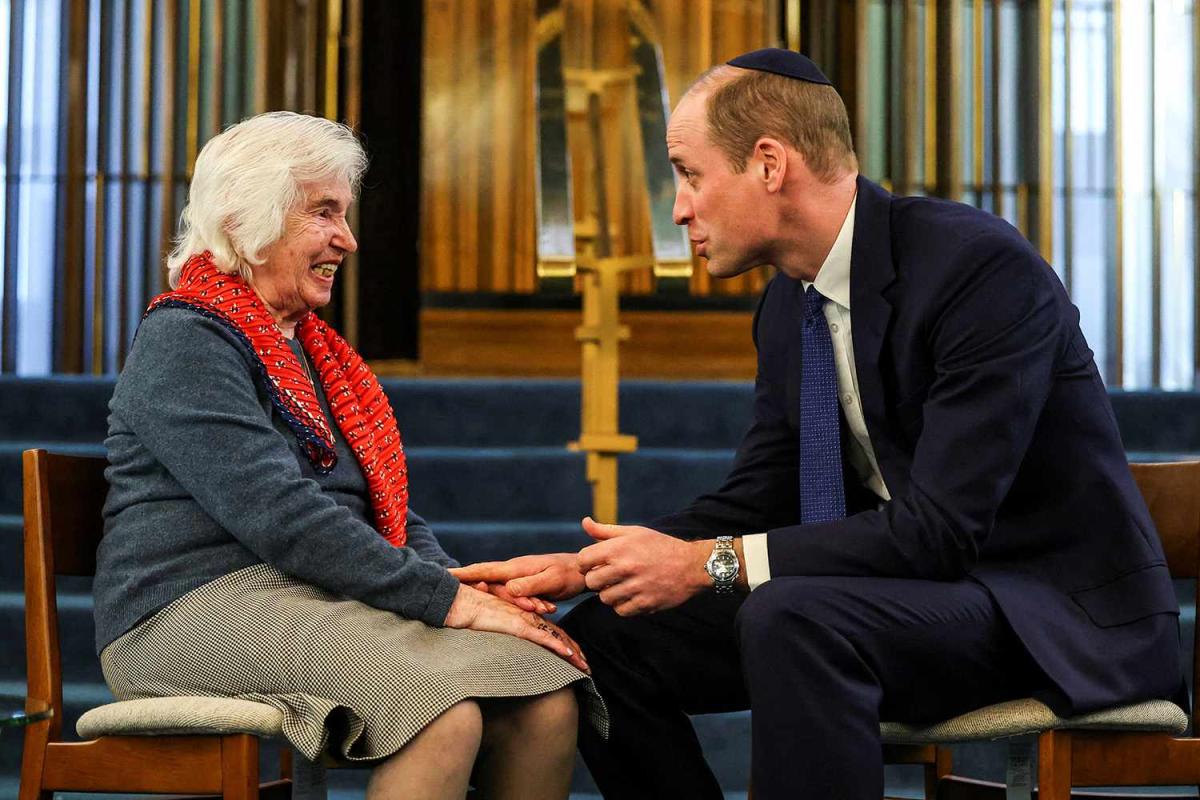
(818, 660)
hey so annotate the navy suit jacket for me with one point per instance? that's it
(997, 441)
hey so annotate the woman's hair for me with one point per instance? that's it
(744, 105)
(249, 177)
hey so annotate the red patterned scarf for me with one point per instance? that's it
(355, 397)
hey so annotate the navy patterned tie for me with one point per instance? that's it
(822, 496)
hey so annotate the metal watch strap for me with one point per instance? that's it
(723, 543)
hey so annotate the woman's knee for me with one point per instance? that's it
(558, 711)
(554, 714)
(461, 725)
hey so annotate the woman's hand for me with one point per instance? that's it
(481, 611)
(535, 604)
(555, 576)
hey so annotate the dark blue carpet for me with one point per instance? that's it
(491, 471)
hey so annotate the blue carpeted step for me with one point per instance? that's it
(466, 483)
(432, 413)
(11, 553)
(63, 408)
(1165, 422)
(10, 466)
(524, 412)
(76, 635)
(495, 541)
(657, 481)
(466, 541)
(472, 484)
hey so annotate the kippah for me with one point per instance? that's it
(787, 63)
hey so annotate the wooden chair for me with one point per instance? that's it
(1137, 745)
(213, 743)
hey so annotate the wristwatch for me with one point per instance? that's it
(722, 566)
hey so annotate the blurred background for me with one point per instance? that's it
(508, 137)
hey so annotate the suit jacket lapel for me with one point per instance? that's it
(872, 271)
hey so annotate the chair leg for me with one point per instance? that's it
(239, 767)
(32, 760)
(1054, 765)
(943, 762)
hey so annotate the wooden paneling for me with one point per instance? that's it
(665, 344)
(478, 180)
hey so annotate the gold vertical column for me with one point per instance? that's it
(949, 61)
(169, 66)
(192, 125)
(977, 98)
(930, 181)
(910, 101)
(1045, 132)
(216, 108)
(262, 38)
(332, 43)
(70, 346)
(600, 336)
(791, 21)
(853, 66)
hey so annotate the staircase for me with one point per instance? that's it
(490, 472)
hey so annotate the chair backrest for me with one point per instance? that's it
(64, 496)
(1172, 493)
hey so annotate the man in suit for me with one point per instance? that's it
(931, 512)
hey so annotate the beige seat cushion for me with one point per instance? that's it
(173, 716)
(1017, 717)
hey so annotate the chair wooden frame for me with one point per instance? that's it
(1067, 758)
(63, 500)
(1110, 758)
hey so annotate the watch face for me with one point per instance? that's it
(724, 566)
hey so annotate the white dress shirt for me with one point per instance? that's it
(833, 281)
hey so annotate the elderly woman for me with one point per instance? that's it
(258, 541)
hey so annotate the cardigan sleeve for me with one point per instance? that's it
(421, 539)
(188, 392)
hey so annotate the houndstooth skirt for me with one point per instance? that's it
(348, 677)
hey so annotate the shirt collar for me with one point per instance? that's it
(833, 279)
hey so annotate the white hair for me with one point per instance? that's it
(248, 177)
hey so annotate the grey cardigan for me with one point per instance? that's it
(206, 478)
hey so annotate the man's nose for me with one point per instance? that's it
(681, 212)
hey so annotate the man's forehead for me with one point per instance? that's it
(686, 121)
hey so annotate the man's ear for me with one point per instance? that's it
(770, 162)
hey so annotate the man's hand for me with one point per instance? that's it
(554, 577)
(638, 570)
